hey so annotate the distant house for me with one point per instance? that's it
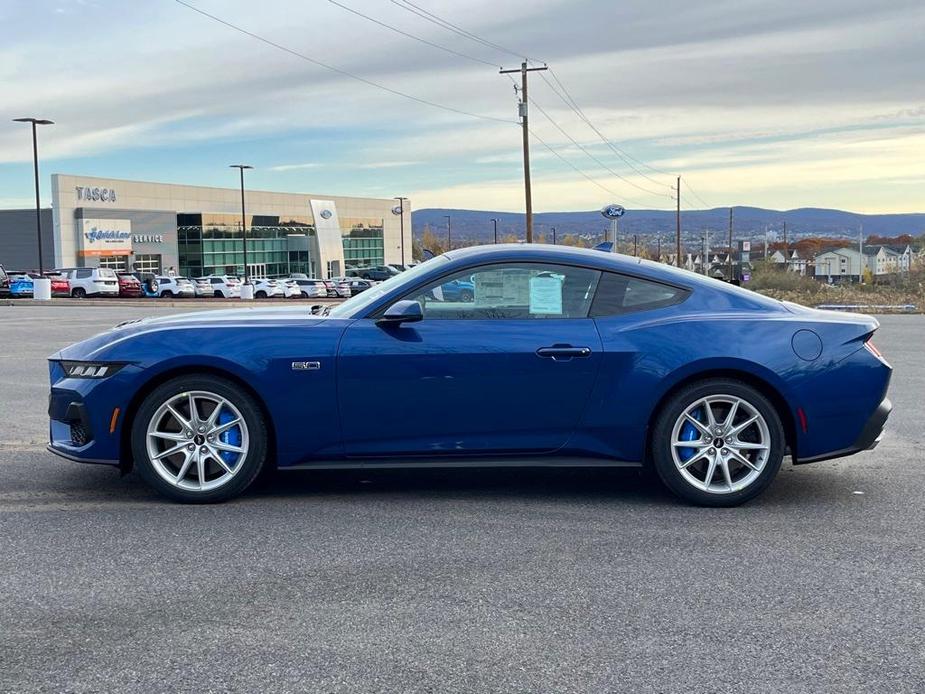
(792, 260)
(880, 261)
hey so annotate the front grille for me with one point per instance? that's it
(80, 436)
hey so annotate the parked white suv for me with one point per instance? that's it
(92, 281)
(221, 286)
(175, 287)
(309, 288)
(264, 288)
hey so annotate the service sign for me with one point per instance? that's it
(104, 237)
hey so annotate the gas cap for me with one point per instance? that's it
(806, 345)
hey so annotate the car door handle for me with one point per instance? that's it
(563, 352)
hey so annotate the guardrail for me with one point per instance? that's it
(904, 308)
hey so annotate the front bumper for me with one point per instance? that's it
(868, 439)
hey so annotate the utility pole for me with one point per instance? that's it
(635, 240)
(729, 257)
(658, 246)
(553, 236)
(449, 234)
(860, 253)
(495, 222)
(677, 238)
(528, 194)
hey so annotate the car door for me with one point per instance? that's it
(508, 372)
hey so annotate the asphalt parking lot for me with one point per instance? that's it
(565, 581)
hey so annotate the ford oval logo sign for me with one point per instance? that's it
(613, 211)
(326, 214)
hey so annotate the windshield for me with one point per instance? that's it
(360, 301)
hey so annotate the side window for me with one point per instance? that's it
(619, 294)
(510, 291)
(216, 280)
(84, 274)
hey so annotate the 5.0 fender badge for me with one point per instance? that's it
(306, 365)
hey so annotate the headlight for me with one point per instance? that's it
(89, 369)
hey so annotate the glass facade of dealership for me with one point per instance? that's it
(212, 244)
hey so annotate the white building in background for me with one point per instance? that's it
(849, 262)
(151, 227)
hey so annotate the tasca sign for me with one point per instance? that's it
(95, 194)
(102, 237)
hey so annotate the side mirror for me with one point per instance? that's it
(405, 311)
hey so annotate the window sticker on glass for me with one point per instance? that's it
(506, 287)
(546, 296)
(489, 288)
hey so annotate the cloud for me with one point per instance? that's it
(295, 167)
(733, 94)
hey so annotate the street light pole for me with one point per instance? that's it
(401, 214)
(495, 221)
(449, 233)
(553, 236)
(247, 283)
(35, 166)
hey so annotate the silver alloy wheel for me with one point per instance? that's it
(197, 441)
(731, 448)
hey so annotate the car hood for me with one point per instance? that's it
(250, 317)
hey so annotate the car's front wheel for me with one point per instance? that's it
(718, 442)
(199, 439)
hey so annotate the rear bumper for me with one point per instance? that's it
(868, 438)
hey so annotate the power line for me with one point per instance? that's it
(564, 94)
(694, 193)
(591, 156)
(338, 70)
(412, 36)
(409, 6)
(578, 170)
(627, 159)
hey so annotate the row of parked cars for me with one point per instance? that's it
(84, 282)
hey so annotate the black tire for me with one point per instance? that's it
(79, 293)
(673, 409)
(218, 295)
(260, 295)
(252, 464)
(466, 296)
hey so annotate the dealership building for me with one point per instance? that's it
(152, 227)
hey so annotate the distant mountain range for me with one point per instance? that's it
(748, 222)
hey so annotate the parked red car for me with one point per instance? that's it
(59, 284)
(129, 285)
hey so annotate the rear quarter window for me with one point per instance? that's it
(619, 294)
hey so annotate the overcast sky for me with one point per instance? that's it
(780, 104)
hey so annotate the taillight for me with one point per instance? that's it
(873, 349)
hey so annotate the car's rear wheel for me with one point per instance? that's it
(199, 439)
(718, 442)
(79, 293)
(218, 295)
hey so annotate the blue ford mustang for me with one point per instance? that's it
(560, 357)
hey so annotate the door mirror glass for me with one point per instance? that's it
(405, 311)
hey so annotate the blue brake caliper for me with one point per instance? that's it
(231, 436)
(689, 433)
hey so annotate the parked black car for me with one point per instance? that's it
(4, 283)
(377, 273)
(358, 285)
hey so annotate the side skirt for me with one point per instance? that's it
(454, 462)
